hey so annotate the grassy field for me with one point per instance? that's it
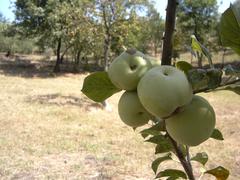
(50, 130)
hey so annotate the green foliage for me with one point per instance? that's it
(233, 87)
(232, 70)
(154, 130)
(230, 28)
(199, 48)
(184, 66)
(158, 161)
(217, 135)
(98, 87)
(219, 172)
(201, 78)
(172, 174)
(201, 158)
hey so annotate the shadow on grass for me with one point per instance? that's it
(22, 66)
(61, 100)
(26, 68)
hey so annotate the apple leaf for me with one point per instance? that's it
(184, 66)
(98, 87)
(154, 130)
(198, 79)
(219, 172)
(172, 174)
(215, 78)
(233, 87)
(232, 70)
(217, 135)
(163, 143)
(198, 47)
(163, 147)
(201, 158)
(230, 28)
(159, 160)
(201, 79)
(156, 139)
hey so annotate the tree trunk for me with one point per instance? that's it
(77, 61)
(106, 52)
(58, 61)
(64, 52)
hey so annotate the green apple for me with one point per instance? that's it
(194, 124)
(131, 110)
(163, 89)
(127, 69)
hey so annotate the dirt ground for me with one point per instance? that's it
(50, 130)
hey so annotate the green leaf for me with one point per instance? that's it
(201, 158)
(184, 66)
(201, 78)
(230, 28)
(159, 160)
(233, 87)
(235, 8)
(198, 47)
(219, 172)
(217, 135)
(231, 70)
(198, 79)
(215, 78)
(195, 44)
(163, 143)
(156, 139)
(163, 147)
(154, 130)
(172, 174)
(98, 87)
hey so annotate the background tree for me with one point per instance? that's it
(198, 18)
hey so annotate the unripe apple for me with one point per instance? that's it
(131, 110)
(163, 89)
(128, 68)
(194, 124)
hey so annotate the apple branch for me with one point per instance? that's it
(185, 162)
(166, 60)
(221, 85)
(169, 30)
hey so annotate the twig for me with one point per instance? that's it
(221, 85)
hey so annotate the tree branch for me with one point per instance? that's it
(169, 30)
(185, 163)
(222, 85)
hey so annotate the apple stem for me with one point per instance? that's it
(184, 161)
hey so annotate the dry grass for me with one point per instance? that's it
(49, 130)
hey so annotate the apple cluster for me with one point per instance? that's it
(159, 91)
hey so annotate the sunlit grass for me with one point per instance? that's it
(50, 130)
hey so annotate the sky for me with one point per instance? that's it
(6, 7)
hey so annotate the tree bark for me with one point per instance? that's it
(107, 38)
(58, 61)
(63, 54)
(106, 52)
(169, 30)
